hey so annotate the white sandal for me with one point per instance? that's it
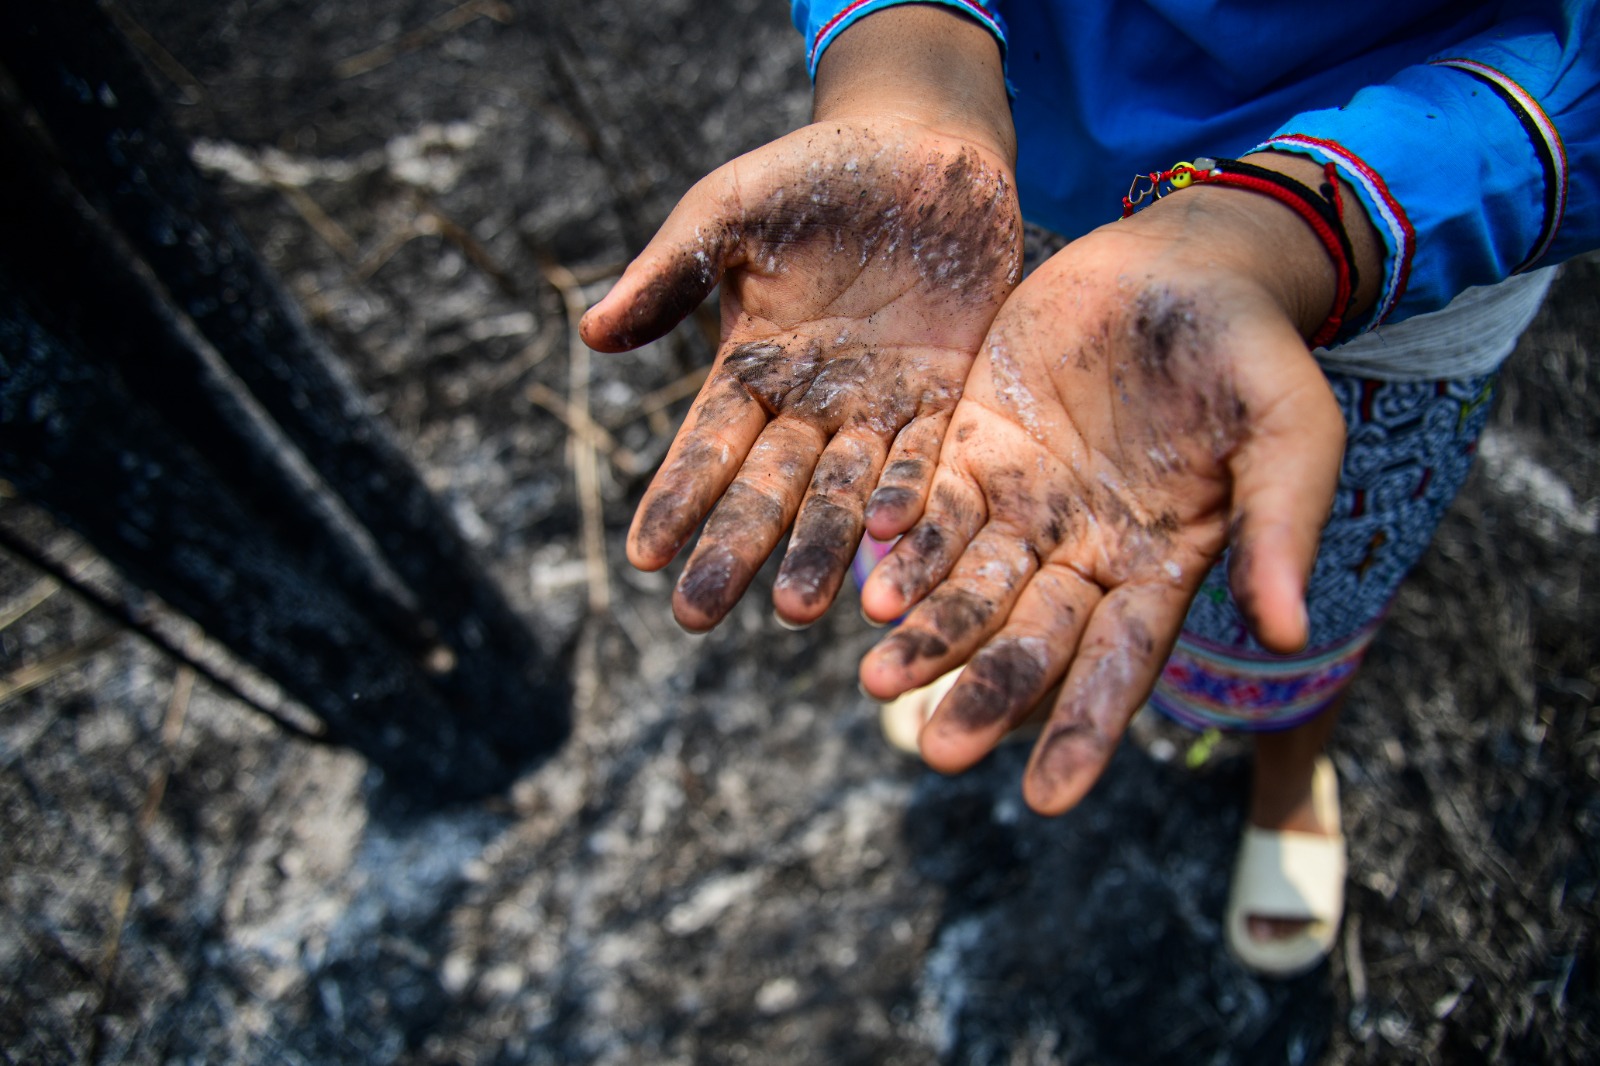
(903, 717)
(1292, 877)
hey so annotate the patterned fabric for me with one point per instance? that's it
(1410, 447)
(1205, 686)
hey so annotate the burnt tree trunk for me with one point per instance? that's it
(163, 395)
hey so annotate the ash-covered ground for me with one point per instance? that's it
(725, 864)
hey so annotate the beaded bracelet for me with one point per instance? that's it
(1323, 213)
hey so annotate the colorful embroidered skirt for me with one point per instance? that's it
(1410, 446)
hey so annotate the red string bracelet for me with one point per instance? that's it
(1323, 213)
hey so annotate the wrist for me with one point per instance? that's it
(921, 63)
(1289, 241)
(1366, 246)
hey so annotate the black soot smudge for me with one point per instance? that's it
(1068, 748)
(772, 373)
(713, 582)
(1164, 327)
(913, 568)
(890, 501)
(668, 298)
(909, 645)
(994, 686)
(903, 470)
(666, 523)
(825, 540)
(957, 612)
(1061, 509)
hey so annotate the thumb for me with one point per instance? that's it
(676, 271)
(1284, 477)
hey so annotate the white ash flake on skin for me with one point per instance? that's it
(1009, 387)
(1164, 458)
(1036, 648)
(1003, 565)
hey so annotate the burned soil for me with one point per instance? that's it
(725, 863)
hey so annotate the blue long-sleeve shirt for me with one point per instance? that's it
(1471, 131)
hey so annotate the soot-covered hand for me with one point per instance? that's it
(1143, 400)
(862, 263)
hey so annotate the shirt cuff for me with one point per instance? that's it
(820, 22)
(1461, 167)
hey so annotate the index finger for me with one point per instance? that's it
(704, 457)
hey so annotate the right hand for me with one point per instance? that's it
(862, 260)
(1145, 399)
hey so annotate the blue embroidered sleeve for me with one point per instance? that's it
(1475, 160)
(1478, 164)
(820, 21)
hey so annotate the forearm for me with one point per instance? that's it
(925, 63)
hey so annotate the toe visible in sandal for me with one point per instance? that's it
(1293, 877)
